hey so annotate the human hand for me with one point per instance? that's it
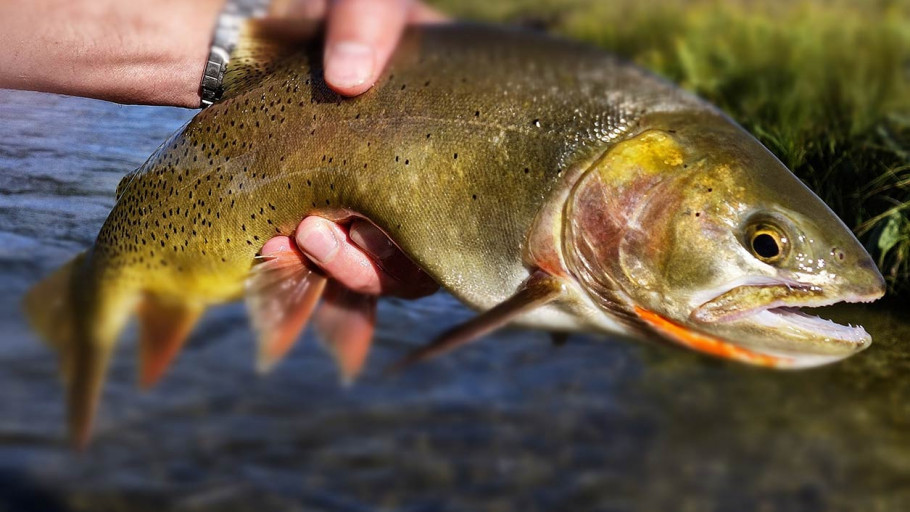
(360, 257)
(360, 37)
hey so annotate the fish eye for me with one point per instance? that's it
(767, 242)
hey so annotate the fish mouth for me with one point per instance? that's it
(769, 318)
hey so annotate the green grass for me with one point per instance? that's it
(824, 84)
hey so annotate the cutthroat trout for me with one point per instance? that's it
(542, 182)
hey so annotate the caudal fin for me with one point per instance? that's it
(82, 327)
(49, 307)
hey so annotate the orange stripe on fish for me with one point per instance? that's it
(706, 343)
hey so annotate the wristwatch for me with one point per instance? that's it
(227, 31)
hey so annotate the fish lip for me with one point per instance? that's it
(814, 297)
(784, 310)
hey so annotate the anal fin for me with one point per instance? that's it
(345, 322)
(164, 327)
(281, 293)
(538, 290)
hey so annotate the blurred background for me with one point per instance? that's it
(514, 422)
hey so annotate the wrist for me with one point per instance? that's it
(227, 33)
(111, 50)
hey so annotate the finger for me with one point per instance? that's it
(298, 9)
(402, 277)
(380, 270)
(277, 245)
(361, 35)
(422, 13)
(327, 245)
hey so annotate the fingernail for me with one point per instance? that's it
(318, 243)
(372, 240)
(349, 64)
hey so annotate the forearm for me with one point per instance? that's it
(129, 52)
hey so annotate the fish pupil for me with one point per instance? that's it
(765, 246)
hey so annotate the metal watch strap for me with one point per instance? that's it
(227, 32)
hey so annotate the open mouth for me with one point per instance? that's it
(779, 307)
(760, 321)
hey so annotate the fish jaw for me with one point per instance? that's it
(765, 317)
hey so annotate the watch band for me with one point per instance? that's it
(227, 31)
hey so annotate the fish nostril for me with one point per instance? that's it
(838, 254)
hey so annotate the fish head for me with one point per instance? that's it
(694, 230)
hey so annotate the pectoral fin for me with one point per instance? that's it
(281, 293)
(538, 290)
(345, 322)
(164, 326)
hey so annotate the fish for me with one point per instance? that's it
(542, 182)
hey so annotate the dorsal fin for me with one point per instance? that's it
(264, 45)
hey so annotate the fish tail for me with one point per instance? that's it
(49, 308)
(81, 316)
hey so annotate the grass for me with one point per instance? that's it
(824, 84)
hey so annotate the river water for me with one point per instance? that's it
(513, 423)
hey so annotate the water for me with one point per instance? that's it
(513, 423)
